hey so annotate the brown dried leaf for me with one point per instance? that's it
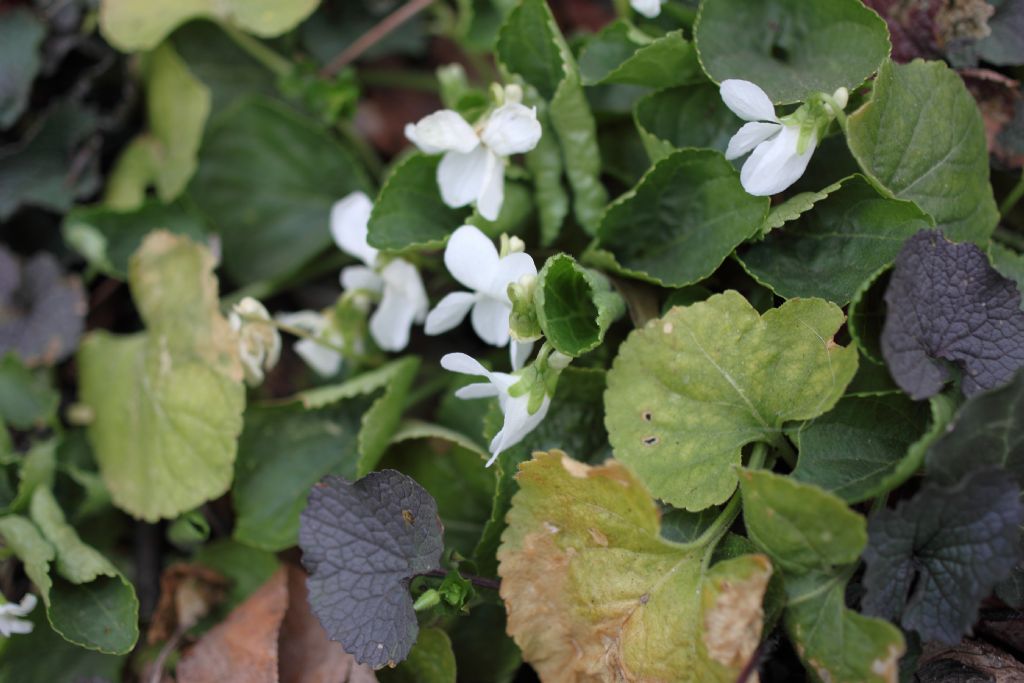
(970, 660)
(243, 648)
(998, 98)
(187, 593)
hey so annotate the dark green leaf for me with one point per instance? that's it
(852, 449)
(247, 568)
(271, 222)
(680, 222)
(361, 542)
(987, 431)
(933, 558)
(831, 249)
(921, 137)
(867, 316)
(946, 305)
(622, 54)
(688, 116)
(431, 660)
(21, 35)
(26, 398)
(791, 48)
(20, 660)
(409, 211)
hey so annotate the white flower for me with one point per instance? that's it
(473, 166)
(778, 160)
(648, 8)
(324, 360)
(403, 300)
(518, 420)
(10, 613)
(259, 343)
(473, 260)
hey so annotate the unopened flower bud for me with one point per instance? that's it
(513, 93)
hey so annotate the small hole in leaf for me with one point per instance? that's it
(651, 441)
(780, 53)
(647, 416)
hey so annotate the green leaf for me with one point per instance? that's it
(575, 421)
(24, 539)
(581, 536)
(574, 305)
(21, 36)
(544, 162)
(867, 316)
(814, 539)
(791, 48)
(37, 469)
(91, 603)
(271, 222)
(921, 138)
(41, 170)
(934, 558)
(1009, 263)
(622, 54)
(247, 568)
(833, 248)
(177, 105)
(854, 448)
(169, 401)
(688, 116)
(431, 660)
(680, 222)
(690, 389)
(409, 211)
(108, 237)
(130, 26)
(63, 662)
(988, 430)
(531, 45)
(282, 452)
(26, 397)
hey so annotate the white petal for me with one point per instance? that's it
(471, 257)
(449, 312)
(492, 190)
(464, 364)
(648, 8)
(775, 164)
(490, 320)
(349, 218)
(518, 352)
(27, 604)
(360, 277)
(402, 278)
(747, 101)
(460, 176)
(442, 131)
(512, 129)
(749, 136)
(509, 270)
(10, 625)
(324, 361)
(518, 423)
(391, 322)
(480, 390)
(310, 322)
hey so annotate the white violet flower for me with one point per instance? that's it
(473, 260)
(10, 612)
(519, 421)
(403, 299)
(473, 166)
(259, 343)
(648, 8)
(782, 147)
(324, 359)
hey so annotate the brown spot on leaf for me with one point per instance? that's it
(408, 517)
(575, 467)
(650, 441)
(735, 617)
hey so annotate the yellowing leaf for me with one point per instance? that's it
(131, 25)
(169, 401)
(594, 593)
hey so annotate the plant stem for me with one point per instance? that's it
(478, 581)
(1011, 199)
(374, 36)
(274, 62)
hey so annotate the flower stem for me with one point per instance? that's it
(374, 36)
(274, 62)
(1011, 199)
(478, 581)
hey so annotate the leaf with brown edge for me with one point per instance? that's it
(593, 592)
